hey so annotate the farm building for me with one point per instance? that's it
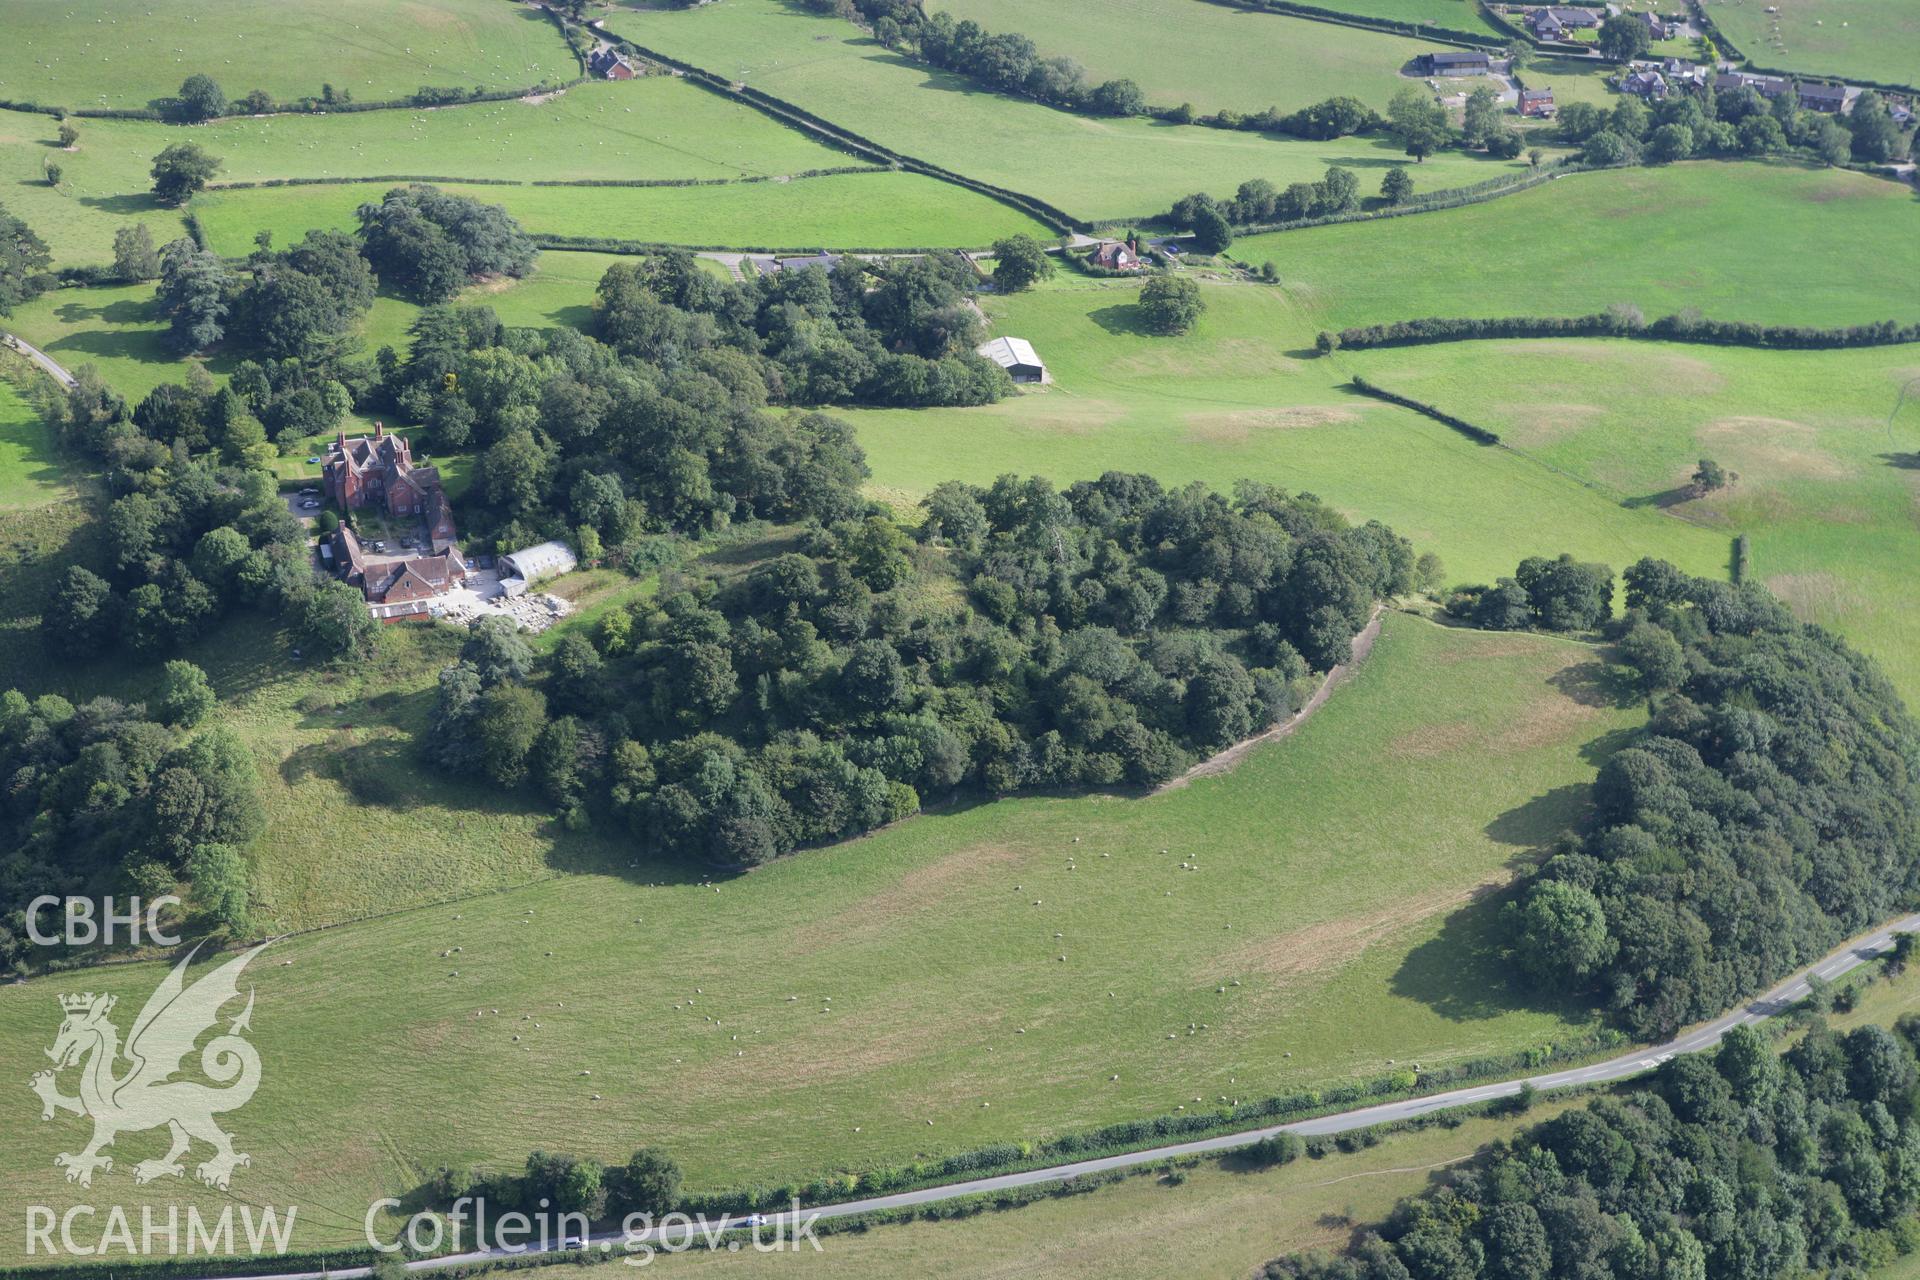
(393, 582)
(1457, 62)
(1018, 358)
(767, 265)
(1766, 86)
(1553, 24)
(1536, 102)
(610, 64)
(547, 560)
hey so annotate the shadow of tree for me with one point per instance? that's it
(1121, 320)
(1596, 684)
(1905, 461)
(124, 204)
(1664, 500)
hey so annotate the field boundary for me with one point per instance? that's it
(1682, 328)
(798, 117)
(1383, 26)
(256, 184)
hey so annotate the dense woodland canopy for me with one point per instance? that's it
(1737, 1164)
(1021, 637)
(1770, 810)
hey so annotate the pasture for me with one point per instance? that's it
(1829, 469)
(31, 474)
(1211, 56)
(1451, 15)
(878, 210)
(1094, 168)
(1337, 917)
(1773, 243)
(1868, 39)
(1242, 396)
(126, 53)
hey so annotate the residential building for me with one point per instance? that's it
(378, 471)
(1648, 84)
(610, 64)
(1536, 102)
(1116, 256)
(1829, 99)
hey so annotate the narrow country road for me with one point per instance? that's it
(40, 358)
(1847, 958)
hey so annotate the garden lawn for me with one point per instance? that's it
(1867, 39)
(125, 53)
(1211, 56)
(878, 210)
(1242, 396)
(1346, 880)
(1771, 243)
(1829, 472)
(1094, 168)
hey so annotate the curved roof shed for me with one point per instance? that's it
(547, 560)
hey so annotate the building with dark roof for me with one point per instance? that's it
(1457, 62)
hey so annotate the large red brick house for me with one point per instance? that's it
(378, 471)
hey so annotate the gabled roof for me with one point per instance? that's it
(1010, 352)
(1458, 58)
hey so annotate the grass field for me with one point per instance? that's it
(30, 472)
(1773, 243)
(1093, 168)
(1239, 397)
(123, 53)
(1829, 473)
(848, 211)
(1453, 15)
(1343, 880)
(1209, 55)
(1870, 39)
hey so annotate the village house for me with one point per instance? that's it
(1656, 26)
(1456, 62)
(1117, 256)
(1553, 24)
(378, 471)
(1536, 102)
(1829, 99)
(610, 64)
(1646, 83)
(767, 265)
(1768, 87)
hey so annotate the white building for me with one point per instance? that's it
(1017, 357)
(548, 560)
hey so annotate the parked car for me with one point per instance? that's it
(313, 461)
(310, 504)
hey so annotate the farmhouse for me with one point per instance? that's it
(1115, 256)
(1536, 102)
(1656, 27)
(823, 260)
(1456, 62)
(524, 568)
(610, 64)
(1553, 24)
(1830, 99)
(378, 471)
(1018, 358)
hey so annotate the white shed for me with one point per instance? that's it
(549, 559)
(1017, 357)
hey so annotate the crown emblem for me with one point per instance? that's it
(77, 1004)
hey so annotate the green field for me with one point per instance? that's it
(1094, 168)
(1209, 55)
(1773, 243)
(98, 194)
(1452, 15)
(878, 210)
(1869, 39)
(123, 53)
(1238, 397)
(1342, 881)
(30, 471)
(1829, 474)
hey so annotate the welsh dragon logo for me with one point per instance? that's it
(142, 1096)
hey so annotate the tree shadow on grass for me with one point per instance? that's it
(1904, 461)
(124, 204)
(1122, 320)
(1596, 684)
(1463, 973)
(1665, 500)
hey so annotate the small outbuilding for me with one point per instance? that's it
(548, 560)
(1018, 358)
(1452, 62)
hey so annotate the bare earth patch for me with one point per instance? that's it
(1771, 444)
(1531, 424)
(1235, 426)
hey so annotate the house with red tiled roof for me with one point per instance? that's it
(378, 471)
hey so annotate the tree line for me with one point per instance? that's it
(1735, 1163)
(1019, 637)
(1705, 122)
